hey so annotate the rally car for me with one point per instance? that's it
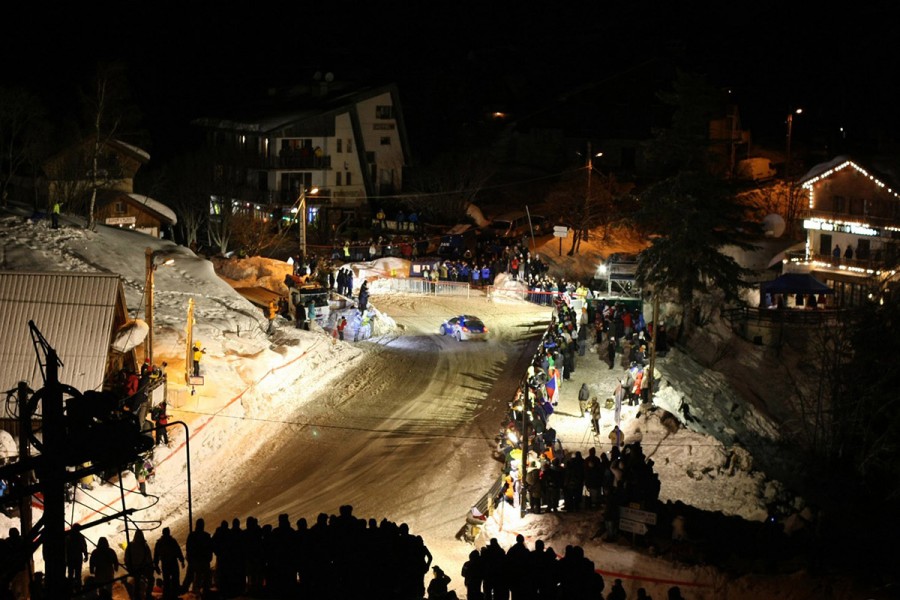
(464, 327)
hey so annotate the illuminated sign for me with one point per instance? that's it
(855, 229)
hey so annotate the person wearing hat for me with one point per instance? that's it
(438, 588)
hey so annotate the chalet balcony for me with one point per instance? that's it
(874, 221)
(288, 198)
(825, 262)
(290, 162)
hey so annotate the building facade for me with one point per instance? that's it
(852, 224)
(339, 147)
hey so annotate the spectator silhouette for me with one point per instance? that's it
(199, 548)
(76, 554)
(438, 587)
(103, 566)
(473, 575)
(139, 563)
(167, 556)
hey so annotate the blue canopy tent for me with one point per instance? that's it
(802, 285)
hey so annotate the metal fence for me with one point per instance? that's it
(415, 285)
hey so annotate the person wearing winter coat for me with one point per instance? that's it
(438, 588)
(104, 564)
(584, 394)
(198, 353)
(473, 575)
(636, 388)
(76, 553)
(533, 485)
(595, 415)
(199, 549)
(167, 556)
(139, 564)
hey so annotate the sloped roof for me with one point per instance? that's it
(156, 206)
(75, 312)
(881, 169)
(294, 108)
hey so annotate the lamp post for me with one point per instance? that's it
(151, 264)
(791, 209)
(590, 176)
(301, 214)
(790, 126)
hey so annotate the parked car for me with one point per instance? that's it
(464, 327)
(510, 225)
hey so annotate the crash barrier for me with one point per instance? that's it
(492, 497)
(413, 285)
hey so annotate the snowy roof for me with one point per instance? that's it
(155, 206)
(879, 169)
(134, 149)
(75, 312)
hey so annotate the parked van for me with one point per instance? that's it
(510, 225)
(457, 240)
(755, 169)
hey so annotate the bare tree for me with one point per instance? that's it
(21, 127)
(583, 202)
(443, 191)
(109, 115)
(186, 182)
(253, 235)
(229, 193)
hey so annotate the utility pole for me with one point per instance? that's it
(524, 462)
(653, 346)
(53, 482)
(24, 455)
(148, 292)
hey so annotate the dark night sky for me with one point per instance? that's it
(839, 65)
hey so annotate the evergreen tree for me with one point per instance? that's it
(691, 217)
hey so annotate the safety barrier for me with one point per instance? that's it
(415, 285)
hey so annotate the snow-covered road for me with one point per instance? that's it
(406, 433)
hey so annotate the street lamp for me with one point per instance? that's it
(154, 259)
(590, 169)
(301, 214)
(790, 126)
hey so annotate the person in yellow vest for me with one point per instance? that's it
(199, 351)
(54, 214)
(509, 490)
(273, 312)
